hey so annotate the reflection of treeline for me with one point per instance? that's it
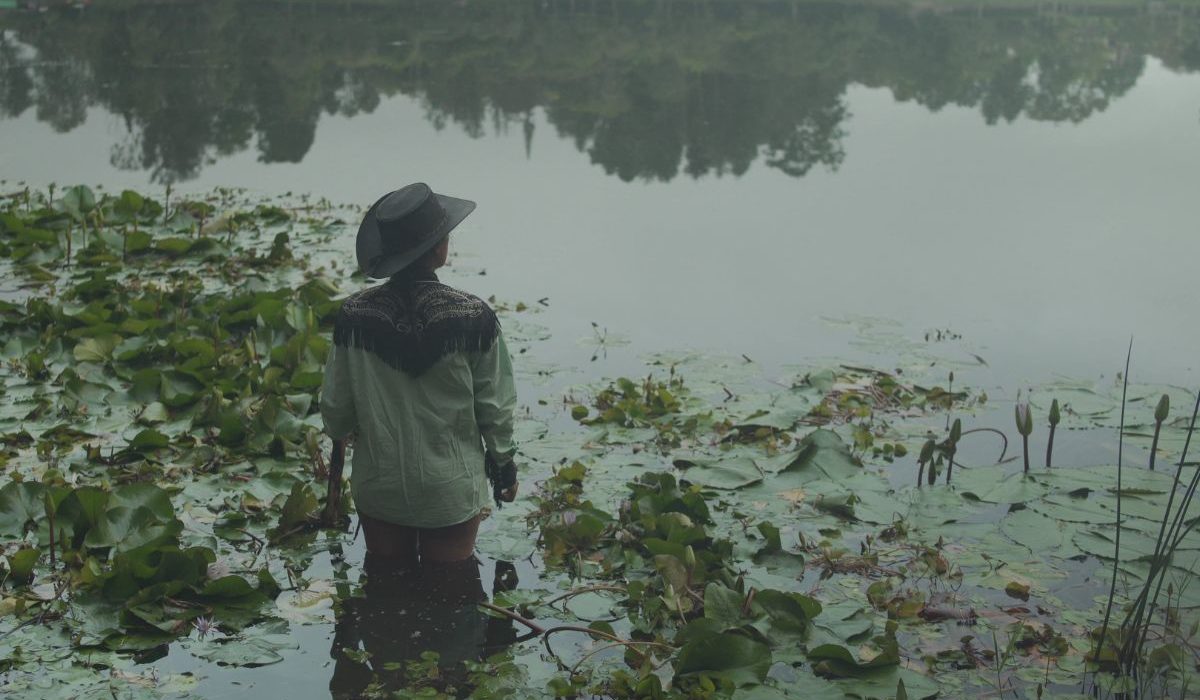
(646, 88)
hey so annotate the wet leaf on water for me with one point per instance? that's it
(730, 656)
(247, 651)
(96, 349)
(822, 454)
(301, 504)
(1037, 532)
(836, 661)
(728, 474)
(149, 440)
(20, 504)
(21, 563)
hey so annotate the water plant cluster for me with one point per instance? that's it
(160, 376)
(974, 580)
(701, 531)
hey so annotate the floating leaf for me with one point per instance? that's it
(96, 349)
(730, 656)
(728, 474)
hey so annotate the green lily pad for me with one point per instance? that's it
(1037, 532)
(729, 655)
(727, 474)
(247, 651)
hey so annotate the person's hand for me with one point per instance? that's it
(502, 478)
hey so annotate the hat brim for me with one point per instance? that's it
(369, 244)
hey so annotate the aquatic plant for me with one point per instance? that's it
(1055, 416)
(952, 447)
(926, 457)
(1024, 417)
(1102, 638)
(1161, 411)
(1135, 627)
(184, 376)
(204, 626)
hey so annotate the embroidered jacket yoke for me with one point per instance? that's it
(420, 373)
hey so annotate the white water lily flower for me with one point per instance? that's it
(1023, 416)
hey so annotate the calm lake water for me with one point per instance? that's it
(729, 177)
(799, 182)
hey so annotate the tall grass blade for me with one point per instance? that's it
(1112, 589)
(1164, 550)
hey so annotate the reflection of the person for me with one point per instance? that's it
(407, 610)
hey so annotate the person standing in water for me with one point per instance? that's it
(419, 373)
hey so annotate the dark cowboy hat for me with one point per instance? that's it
(403, 225)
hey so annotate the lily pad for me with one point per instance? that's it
(729, 655)
(729, 474)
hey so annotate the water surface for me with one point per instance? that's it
(798, 182)
(704, 175)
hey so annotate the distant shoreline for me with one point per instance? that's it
(1047, 6)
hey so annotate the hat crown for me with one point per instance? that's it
(408, 218)
(403, 202)
(403, 225)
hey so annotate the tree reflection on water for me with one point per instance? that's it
(405, 612)
(646, 90)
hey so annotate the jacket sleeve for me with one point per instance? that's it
(495, 400)
(337, 400)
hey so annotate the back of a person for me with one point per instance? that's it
(417, 461)
(420, 375)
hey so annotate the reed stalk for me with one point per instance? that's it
(1112, 589)
(1138, 620)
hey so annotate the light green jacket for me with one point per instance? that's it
(418, 454)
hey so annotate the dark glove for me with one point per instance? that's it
(502, 477)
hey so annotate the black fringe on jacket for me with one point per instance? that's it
(411, 324)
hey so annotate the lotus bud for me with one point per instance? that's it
(926, 452)
(669, 591)
(1162, 409)
(956, 431)
(1024, 418)
(689, 557)
(1055, 417)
